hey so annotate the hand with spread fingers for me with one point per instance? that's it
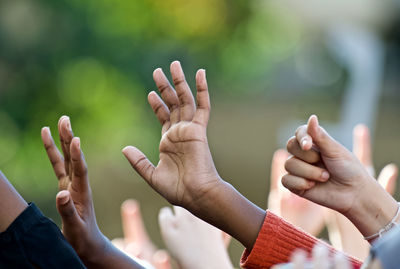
(342, 233)
(75, 205)
(294, 209)
(136, 241)
(325, 172)
(185, 174)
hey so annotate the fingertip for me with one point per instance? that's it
(130, 207)
(62, 118)
(361, 129)
(393, 168)
(127, 150)
(161, 258)
(325, 175)
(165, 214)
(201, 73)
(45, 129)
(63, 197)
(280, 154)
(76, 142)
(157, 71)
(313, 120)
(175, 64)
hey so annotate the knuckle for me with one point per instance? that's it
(162, 88)
(179, 80)
(291, 143)
(289, 163)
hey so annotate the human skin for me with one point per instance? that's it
(11, 203)
(325, 172)
(74, 202)
(342, 233)
(136, 241)
(294, 209)
(186, 176)
(194, 243)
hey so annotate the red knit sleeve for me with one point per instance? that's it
(276, 241)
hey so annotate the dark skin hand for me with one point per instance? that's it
(186, 175)
(75, 205)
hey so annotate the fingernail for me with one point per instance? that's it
(69, 124)
(64, 197)
(78, 142)
(325, 175)
(304, 143)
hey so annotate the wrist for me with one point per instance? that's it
(374, 209)
(95, 252)
(225, 208)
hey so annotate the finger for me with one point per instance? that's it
(140, 163)
(162, 260)
(186, 100)
(66, 209)
(202, 113)
(66, 135)
(302, 169)
(132, 223)
(388, 178)
(160, 109)
(278, 168)
(310, 156)
(168, 94)
(181, 212)
(362, 145)
(55, 157)
(118, 243)
(303, 138)
(226, 238)
(80, 181)
(328, 146)
(166, 219)
(296, 184)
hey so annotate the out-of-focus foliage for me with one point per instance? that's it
(93, 61)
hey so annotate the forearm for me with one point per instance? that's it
(375, 209)
(109, 257)
(11, 203)
(225, 208)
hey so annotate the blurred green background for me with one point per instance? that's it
(93, 60)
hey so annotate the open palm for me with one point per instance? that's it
(186, 170)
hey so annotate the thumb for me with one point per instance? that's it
(388, 177)
(326, 144)
(66, 208)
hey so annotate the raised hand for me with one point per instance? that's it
(298, 211)
(193, 242)
(186, 175)
(185, 172)
(342, 233)
(74, 202)
(325, 172)
(136, 241)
